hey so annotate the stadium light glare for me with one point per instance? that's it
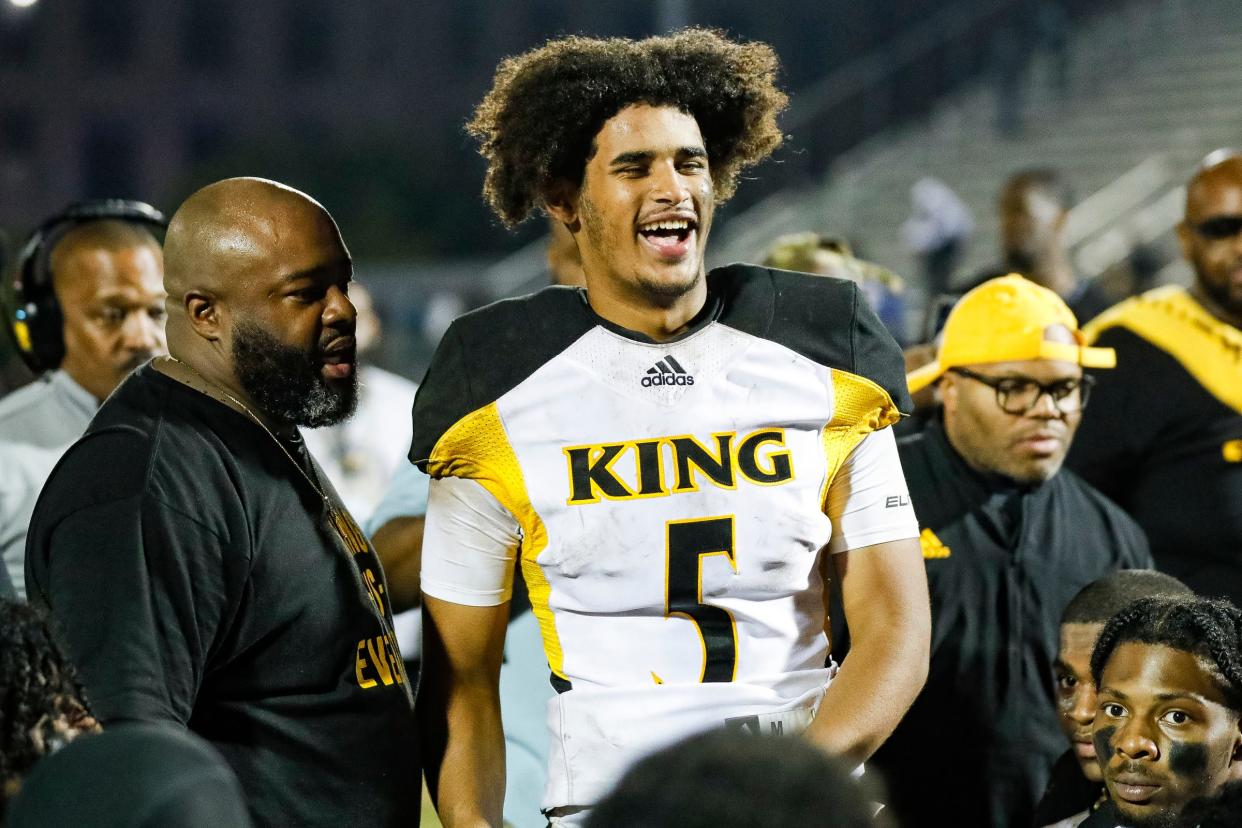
(22, 4)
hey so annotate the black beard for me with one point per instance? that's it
(287, 383)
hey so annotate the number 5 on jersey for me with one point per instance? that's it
(689, 542)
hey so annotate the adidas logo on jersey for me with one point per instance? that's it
(667, 371)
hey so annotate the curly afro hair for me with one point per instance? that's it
(538, 123)
(37, 688)
(1209, 628)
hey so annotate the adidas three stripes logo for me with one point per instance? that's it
(667, 371)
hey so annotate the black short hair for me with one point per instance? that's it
(37, 686)
(1043, 180)
(538, 123)
(726, 779)
(1104, 597)
(1209, 628)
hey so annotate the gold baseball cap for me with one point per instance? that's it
(1005, 320)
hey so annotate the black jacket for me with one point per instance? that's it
(1003, 560)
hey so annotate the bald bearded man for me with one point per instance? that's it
(201, 567)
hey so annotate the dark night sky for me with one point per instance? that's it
(361, 105)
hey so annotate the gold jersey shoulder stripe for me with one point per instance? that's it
(1170, 319)
(859, 407)
(477, 447)
(932, 546)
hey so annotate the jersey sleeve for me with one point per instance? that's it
(877, 356)
(868, 500)
(141, 595)
(444, 396)
(482, 355)
(470, 542)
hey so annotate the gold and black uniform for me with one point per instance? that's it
(673, 505)
(1163, 434)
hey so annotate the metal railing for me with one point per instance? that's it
(867, 95)
(1137, 208)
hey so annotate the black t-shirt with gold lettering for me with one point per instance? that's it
(197, 578)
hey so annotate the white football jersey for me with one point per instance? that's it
(671, 503)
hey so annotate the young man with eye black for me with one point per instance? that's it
(1008, 538)
(1163, 437)
(1167, 726)
(1076, 788)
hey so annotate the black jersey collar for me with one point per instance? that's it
(707, 314)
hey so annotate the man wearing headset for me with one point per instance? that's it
(89, 309)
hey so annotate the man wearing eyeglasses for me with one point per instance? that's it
(1164, 436)
(1009, 537)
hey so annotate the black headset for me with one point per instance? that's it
(33, 316)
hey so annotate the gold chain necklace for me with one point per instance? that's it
(327, 501)
(339, 520)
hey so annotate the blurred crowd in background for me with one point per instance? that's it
(364, 108)
(932, 146)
